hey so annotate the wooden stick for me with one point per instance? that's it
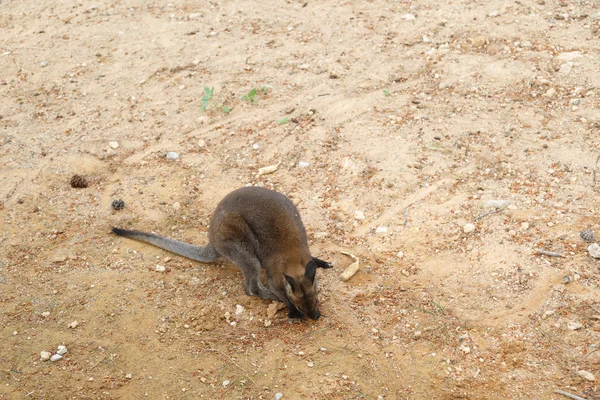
(569, 395)
(548, 253)
(495, 211)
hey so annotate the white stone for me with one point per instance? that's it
(73, 324)
(46, 314)
(303, 164)
(56, 357)
(62, 350)
(172, 155)
(574, 326)
(469, 228)
(177, 205)
(43, 63)
(550, 93)
(496, 204)
(160, 268)
(225, 383)
(278, 396)
(128, 376)
(359, 215)
(381, 229)
(113, 145)
(588, 376)
(45, 355)
(201, 143)
(594, 250)
(239, 310)
(494, 13)
(310, 364)
(408, 17)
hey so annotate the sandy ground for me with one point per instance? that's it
(393, 124)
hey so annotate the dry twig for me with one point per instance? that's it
(569, 395)
(548, 253)
(494, 211)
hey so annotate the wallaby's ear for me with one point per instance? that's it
(311, 270)
(291, 281)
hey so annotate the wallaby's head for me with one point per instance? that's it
(302, 291)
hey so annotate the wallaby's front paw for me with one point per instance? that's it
(295, 314)
(321, 263)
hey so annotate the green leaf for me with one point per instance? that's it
(386, 92)
(283, 121)
(226, 109)
(208, 94)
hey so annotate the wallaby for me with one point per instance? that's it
(255, 227)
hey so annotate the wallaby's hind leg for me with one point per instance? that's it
(250, 266)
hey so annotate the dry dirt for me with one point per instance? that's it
(415, 113)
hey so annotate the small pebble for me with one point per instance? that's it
(256, 146)
(56, 357)
(73, 324)
(574, 326)
(128, 376)
(114, 145)
(594, 250)
(408, 17)
(225, 383)
(359, 215)
(239, 310)
(496, 204)
(468, 228)
(201, 143)
(62, 350)
(117, 205)
(160, 268)
(43, 64)
(46, 314)
(550, 93)
(381, 229)
(494, 13)
(278, 396)
(588, 236)
(171, 155)
(588, 376)
(524, 226)
(176, 205)
(267, 323)
(45, 355)
(310, 364)
(303, 164)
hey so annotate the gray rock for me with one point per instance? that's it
(588, 236)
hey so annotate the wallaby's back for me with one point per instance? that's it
(272, 218)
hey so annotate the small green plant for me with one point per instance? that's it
(386, 92)
(208, 94)
(226, 109)
(250, 96)
(283, 121)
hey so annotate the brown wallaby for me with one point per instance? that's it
(255, 227)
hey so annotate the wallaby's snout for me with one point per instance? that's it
(315, 316)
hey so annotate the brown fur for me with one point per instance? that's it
(258, 228)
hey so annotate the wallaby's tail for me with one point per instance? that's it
(204, 254)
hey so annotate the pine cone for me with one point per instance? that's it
(78, 182)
